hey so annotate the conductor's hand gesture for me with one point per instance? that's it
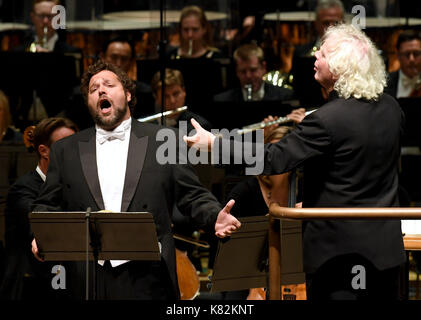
(203, 140)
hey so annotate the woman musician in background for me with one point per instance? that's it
(195, 36)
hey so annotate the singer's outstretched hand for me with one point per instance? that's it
(202, 140)
(226, 223)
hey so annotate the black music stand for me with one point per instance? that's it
(92, 236)
(241, 261)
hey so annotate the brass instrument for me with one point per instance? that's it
(262, 124)
(165, 114)
(190, 51)
(279, 79)
(43, 43)
(248, 88)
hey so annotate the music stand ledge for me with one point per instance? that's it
(123, 236)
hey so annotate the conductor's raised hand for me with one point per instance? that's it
(202, 140)
(226, 223)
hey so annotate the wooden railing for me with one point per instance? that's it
(277, 213)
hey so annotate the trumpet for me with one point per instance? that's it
(190, 52)
(262, 125)
(42, 42)
(249, 88)
(165, 114)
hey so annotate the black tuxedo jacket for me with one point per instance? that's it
(272, 93)
(72, 185)
(392, 84)
(349, 149)
(25, 277)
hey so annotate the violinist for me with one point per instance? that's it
(25, 278)
(406, 82)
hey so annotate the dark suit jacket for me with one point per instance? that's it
(348, 162)
(25, 277)
(72, 184)
(272, 93)
(392, 84)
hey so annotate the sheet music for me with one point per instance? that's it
(411, 226)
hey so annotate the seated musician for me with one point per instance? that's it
(195, 36)
(43, 37)
(175, 97)
(250, 68)
(406, 81)
(25, 277)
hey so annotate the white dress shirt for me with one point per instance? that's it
(111, 157)
(41, 174)
(405, 85)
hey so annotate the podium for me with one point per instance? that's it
(92, 236)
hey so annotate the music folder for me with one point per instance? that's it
(241, 260)
(117, 236)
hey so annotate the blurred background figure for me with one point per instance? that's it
(406, 82)
(26, 278)
(8, 133)
(195, 36)
(175, 97)
(328, 13)
(250, 68)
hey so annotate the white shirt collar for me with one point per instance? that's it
(41, 174)
(50, 42)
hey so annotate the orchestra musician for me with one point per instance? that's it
(26, 278)
(113, 166)
(42, 38)
(328, 13)
(175, 97)
(406, 82)
(347, 163)
(195, 35)
(250, 68)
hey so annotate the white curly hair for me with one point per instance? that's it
(354, 60)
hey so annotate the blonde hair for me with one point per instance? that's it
(200, 14)
(354, 60)
(172, 77)
(246, 51)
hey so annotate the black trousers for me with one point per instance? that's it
(352, 277)
(134, 280)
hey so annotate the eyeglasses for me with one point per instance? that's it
(43, 16)
(407, 54)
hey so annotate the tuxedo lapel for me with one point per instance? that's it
(135, 160)
(87, 151)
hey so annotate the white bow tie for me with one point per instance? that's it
(103, 135)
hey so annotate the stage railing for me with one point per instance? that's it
(277, 213)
